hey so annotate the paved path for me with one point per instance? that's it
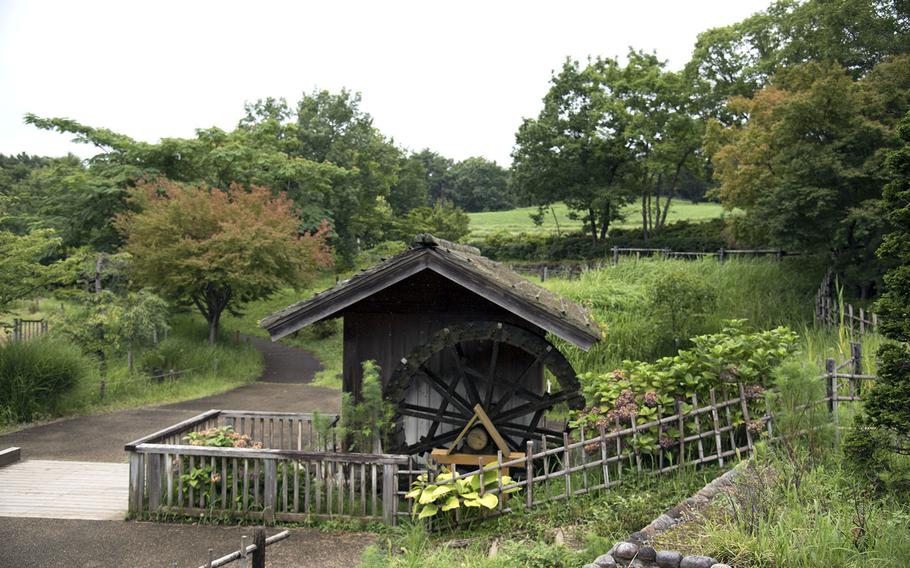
(29, 542)
(52, 543)
(101, 437)
(64, 490)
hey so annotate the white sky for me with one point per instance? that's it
(456, 76)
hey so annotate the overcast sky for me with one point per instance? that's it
(457, 77)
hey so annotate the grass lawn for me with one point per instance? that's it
(518, 220)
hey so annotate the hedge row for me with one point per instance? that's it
(705, 236)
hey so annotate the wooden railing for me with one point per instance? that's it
(721, 254)
(296, 475)
(25, 329)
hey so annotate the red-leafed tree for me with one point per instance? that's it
(217, 250)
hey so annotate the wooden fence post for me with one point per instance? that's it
(830, 369)
(856, 354)
(271, 491)
(259, 553)
(244, 563)
(720, 254)
(389, 493)
(529, 474)
(136, 488)
(615, 256)
(154, 481)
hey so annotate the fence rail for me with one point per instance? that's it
(296, 474)
(247, 555)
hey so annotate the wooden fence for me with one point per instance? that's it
(248, 555)
(25, 329)
(298, 474)
(721, 429)
(831, 310)
(721, 254)
(295, 475)
(545, 270)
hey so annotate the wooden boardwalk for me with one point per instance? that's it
(64, 490)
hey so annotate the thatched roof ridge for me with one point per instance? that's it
(463, 265)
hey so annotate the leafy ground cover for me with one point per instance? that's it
(518, 220)
(559, 534)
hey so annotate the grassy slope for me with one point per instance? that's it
(327, 348)
(765, 292)
(519, 221)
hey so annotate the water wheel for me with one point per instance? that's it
(468, 372)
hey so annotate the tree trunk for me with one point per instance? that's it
(604, 221)
(644, 216)
(593, 223)
(214, 322)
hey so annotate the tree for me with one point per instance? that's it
(410, 189)
(807, 167)
(438, 170)
(477, 184)
(30, 263)
(575, 152)
(443, 220)
(217, 250)
(894, 305)
(740, 59)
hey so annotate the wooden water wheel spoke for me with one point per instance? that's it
(459, 389)
(462, 369)
(491, 373)
(517, 383)
(534, 406)
(426, 413)
(447, 394)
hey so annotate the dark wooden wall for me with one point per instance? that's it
(389, 325)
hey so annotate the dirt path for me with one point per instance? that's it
(283, 387)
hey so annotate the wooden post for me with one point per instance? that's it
(154, 481)
(259, 553)
(856, 353)
(17, 330)
(529, 474)
(850, 317)
(389, 493)
(615, 256)
(780, 254)
(136, 489)
(862, 321)
(720, 254)
(244, 562)
(830, 367)
(565, 464)
(270, 498)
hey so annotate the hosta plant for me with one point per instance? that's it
(447, 492)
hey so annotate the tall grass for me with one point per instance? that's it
(765, 292)
(35, 376)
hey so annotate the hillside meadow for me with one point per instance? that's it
(515, 221)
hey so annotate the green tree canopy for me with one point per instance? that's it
(477, 184)
(217, 250)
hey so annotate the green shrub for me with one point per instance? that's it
(34, 374)
(681, 301)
